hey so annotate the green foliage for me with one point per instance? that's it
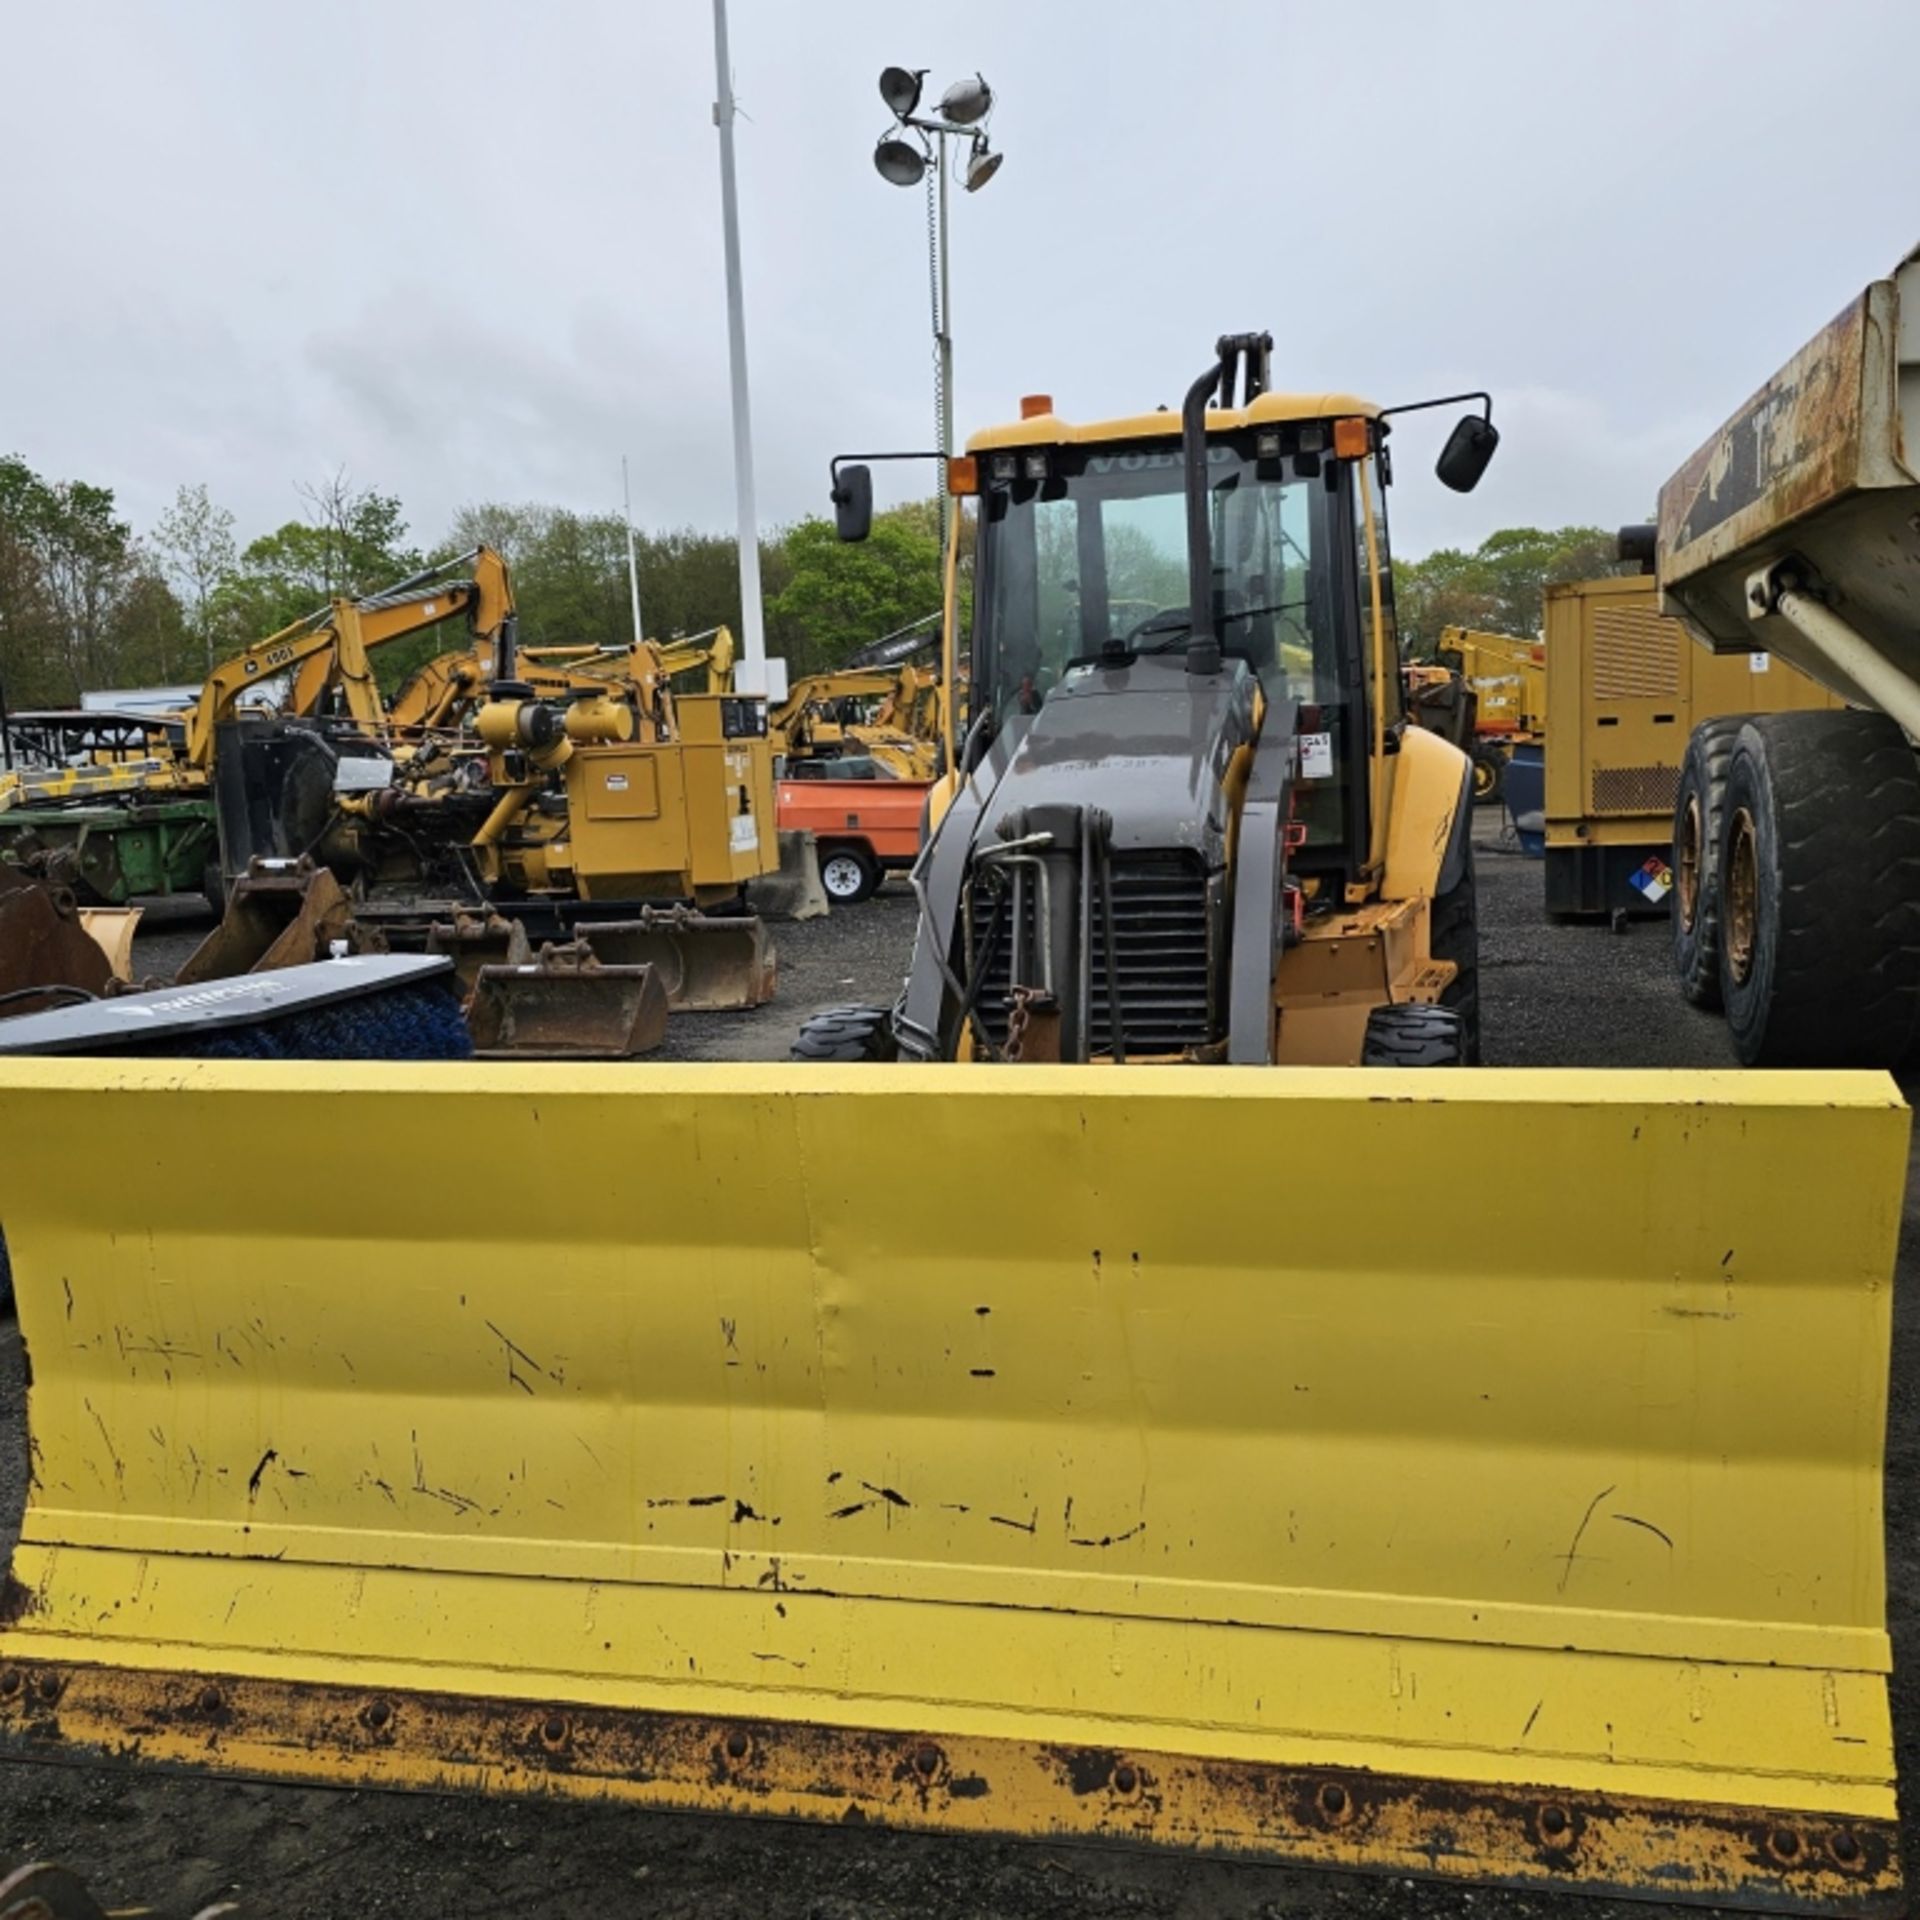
(1498, 588)
(355, 543)
(194, 540)
(80, 604)
(83, 605)
(842, 596)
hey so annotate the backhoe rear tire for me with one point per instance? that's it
(1697, 808)
(846, 1033)
(1411, 1035)
(1453, 934)
(1819, 856)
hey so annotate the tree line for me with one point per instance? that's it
(87, 603)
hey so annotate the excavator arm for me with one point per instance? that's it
(331, 648)
(713, 650)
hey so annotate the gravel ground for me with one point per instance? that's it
(1569, 995)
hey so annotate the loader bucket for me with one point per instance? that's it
(280, 914)
(566, 1006)
(707, 965)
(477, 941)
(1171, 1489)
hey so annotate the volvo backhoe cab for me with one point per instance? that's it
(1189, 820)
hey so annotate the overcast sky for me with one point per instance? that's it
(471, 249)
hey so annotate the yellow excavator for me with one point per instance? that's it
(901, 730)
(324, 661)
(1200, 1479)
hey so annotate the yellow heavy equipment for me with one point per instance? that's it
(1627, 690)
(324, 662)
(550, 776)
(892, 716)
(1176, 1488)
(1190, 820)
(1508, 675)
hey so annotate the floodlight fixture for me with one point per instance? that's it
(900, 162)
(900, 89)
(967, 101)
(982, 164)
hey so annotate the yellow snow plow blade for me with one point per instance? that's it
(1184, 1473)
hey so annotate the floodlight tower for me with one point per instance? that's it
(915, 148)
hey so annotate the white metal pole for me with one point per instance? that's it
(633, 563)
(753, 634)
(946, 329)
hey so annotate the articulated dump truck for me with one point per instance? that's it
(1797, 835)
(1199, 1481)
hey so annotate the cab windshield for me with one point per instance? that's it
(1097, 552)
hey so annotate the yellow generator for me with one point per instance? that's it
(1625, 689)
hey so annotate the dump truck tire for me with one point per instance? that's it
(1454, 934)
(1414, 1036)
(846, 1033)
(1697, 811)
(850, 874)
(1819, 856)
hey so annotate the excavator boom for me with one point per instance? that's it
(329, 649)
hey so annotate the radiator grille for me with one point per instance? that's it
(1635, 789)
(1636, 654)
(1160, 937)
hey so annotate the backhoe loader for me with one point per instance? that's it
(1190, 820)
(1193, 1480)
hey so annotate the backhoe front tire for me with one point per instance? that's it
(1697, 809)
(1411, 1035)
(846, 1033)
(1453, 933)
(1819, 858)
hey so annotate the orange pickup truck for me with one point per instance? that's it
(864, 828)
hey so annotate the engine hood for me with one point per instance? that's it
(1144, 740)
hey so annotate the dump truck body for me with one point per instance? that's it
(1796, 836)
(1331, 1543)
(1626, 690)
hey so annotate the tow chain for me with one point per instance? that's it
(1033, 1021)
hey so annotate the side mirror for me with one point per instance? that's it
(853, 502)
(1465, 456)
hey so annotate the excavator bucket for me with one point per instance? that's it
(111, 929)
(479, 940)
(281, 913)
(44, 943)
(707, 965)
(565, 1005)
(1172, 1490)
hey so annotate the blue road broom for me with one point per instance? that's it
(373, 1006)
